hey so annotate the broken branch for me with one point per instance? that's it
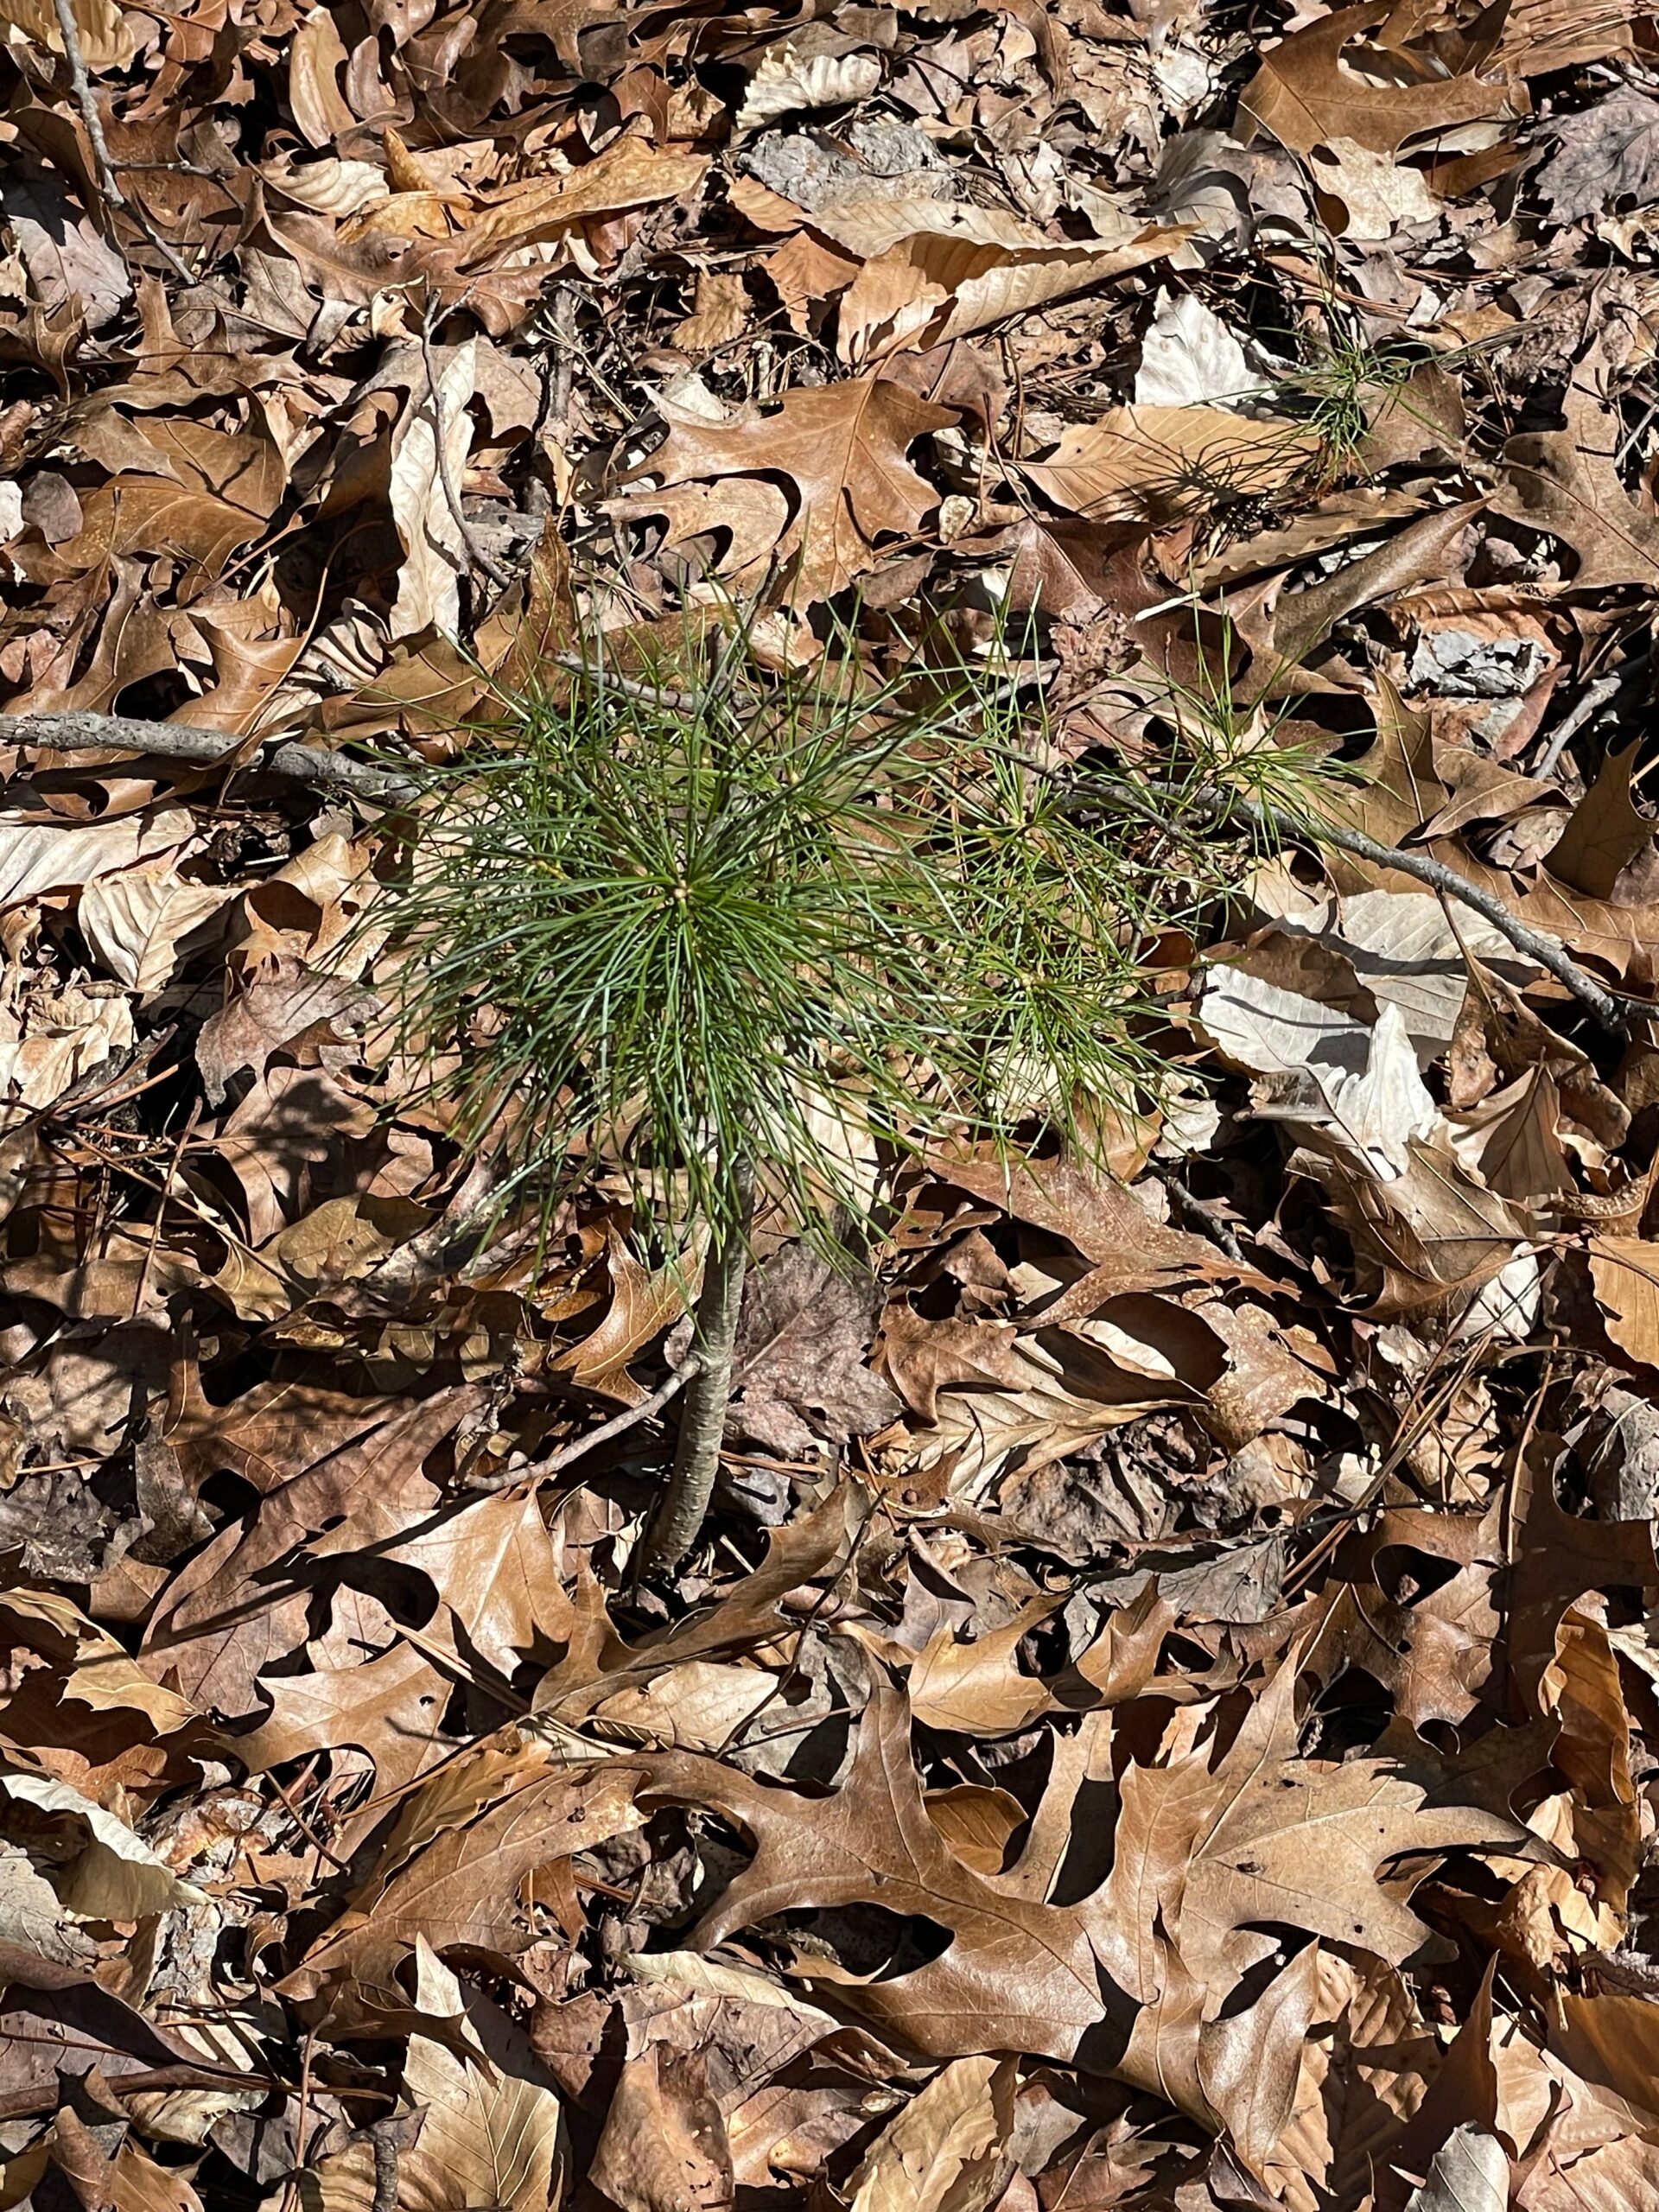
(85, 732)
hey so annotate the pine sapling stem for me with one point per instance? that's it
(702, 1415)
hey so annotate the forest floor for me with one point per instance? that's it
(1164, 1712)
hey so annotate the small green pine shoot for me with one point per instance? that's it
(758, 929)
(744, 950)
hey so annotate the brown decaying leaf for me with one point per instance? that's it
(1303, 93)
(842, 452)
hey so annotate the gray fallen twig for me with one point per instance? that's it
(1574, 720)
(84, 732)
(1209, 803)
(618, 1425)
(87, 100)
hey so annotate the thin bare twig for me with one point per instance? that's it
(631, 687)
(82, 85)
(1572, 722)
(84, 732)
(1208, 1215)
(617, 1426)
(500, 577)
(1211, 804)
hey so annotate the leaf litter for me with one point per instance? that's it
(1160, 1716)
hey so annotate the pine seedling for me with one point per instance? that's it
(736, 944)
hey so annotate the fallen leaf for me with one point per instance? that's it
(136, 923)
(1601, 155)
(946, 2149)
(1624, 1271)
(664, 2146)
(934, 271)
(36, 857)
(1156, 463)
(1471, 2173)
(842, 451)
(463, 1889)
(437, 555)
(976, 1689)
(489, 2137)
(800, 1370)
(1303, 95)
(113, 1875)
(786, 82)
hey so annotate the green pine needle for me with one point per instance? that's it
(792, 928)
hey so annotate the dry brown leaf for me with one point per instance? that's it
(1304, 95)
(54, 1038)
(489, 2136)
(33, 1922)
(106, 1872)
(923, 1358)
(628, 173)
(390, 1707)
(1565, 482)
(463, 1890)
(977, 1688)
(1604, 833)
(1624, 1271)
(106, 39)
(435, 553)
(1157, 463)
(664, 2146)
(697, 1706)
(934, 271)
(947, 2150)
(842, 452)
(493, 1565)
(1470, 2173)
(138, 924)
(642, 1305)
(1201, 1856)
(788, 82)
(37, 856)
(799, 1372)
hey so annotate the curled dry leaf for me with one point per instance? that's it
(108, 1873)
(947, 2148)
(934, 271)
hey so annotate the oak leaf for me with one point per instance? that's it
(464, 1888)
(841, 451)
(1304, 97)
